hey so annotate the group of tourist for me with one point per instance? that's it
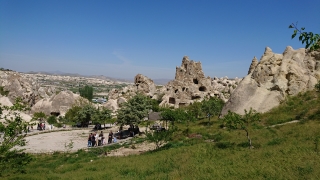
(41, 126)
(95, 139)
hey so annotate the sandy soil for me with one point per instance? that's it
(51, 141)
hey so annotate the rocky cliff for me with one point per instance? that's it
(273, 78)
(20, 86)
(142, 84)
(40, 99)
(190, 84)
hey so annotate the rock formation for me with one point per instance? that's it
(22, 87)
(144, 85)
(273, 78)
(190, 84)
(57, 104)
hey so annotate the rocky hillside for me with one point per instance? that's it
(50, 94)
(273, 78)
(18, 85)
(189, 85)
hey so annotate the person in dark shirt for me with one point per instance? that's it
(89, 140)
(93, 140)
(100, 139)
(110, 137)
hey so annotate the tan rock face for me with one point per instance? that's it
(190, 84)
(273, 78)
(144, 85)
(20, 86)
(57, 104)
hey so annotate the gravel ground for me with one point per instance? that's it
(52, 141)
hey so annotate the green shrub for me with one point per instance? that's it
(52, 119)
(224, 145)
(3, 92)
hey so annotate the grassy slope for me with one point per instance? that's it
(283, 152)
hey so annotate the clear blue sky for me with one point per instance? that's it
(121, 38)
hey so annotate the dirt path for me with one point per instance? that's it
(57, 141)
(290, 122)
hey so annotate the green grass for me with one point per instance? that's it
(282, 152)
(300, 107)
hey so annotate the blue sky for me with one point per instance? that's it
(122, 38)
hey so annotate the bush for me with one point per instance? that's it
(59, 125)
(317, 86)
(3, 92)
(52, 120)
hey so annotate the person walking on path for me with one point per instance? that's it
(93, 140)
(110, 137)
(100, 139)
(89, 140)
(96, 138)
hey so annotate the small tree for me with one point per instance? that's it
(212, 107)
(195, 109)
(179, 115)
(133, 111)
(185, 116)
(103, 115)
(159, 137)
(12, 133)
(168, 114)
(233, 120)
(39, 116)
(52, 119)
(85, 114)
(72, 113)
(154, 105)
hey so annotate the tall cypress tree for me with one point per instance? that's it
(86, 92)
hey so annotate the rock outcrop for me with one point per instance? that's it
(273, 78)
(190, 84)
(57, 104)
(23, 87)
(144, 85)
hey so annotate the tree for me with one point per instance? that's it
(168, 114)
(195, 109)
(154, 105)
(39, 116)
(233, 120)
(72, 113)
(85, 114)
(185, 116)
(102, 116)
(212, 107)
(12, 133)
(86, 92)
(159, 137)
(177, 115)
(311, 40)
(52, 119)
(133, 111)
